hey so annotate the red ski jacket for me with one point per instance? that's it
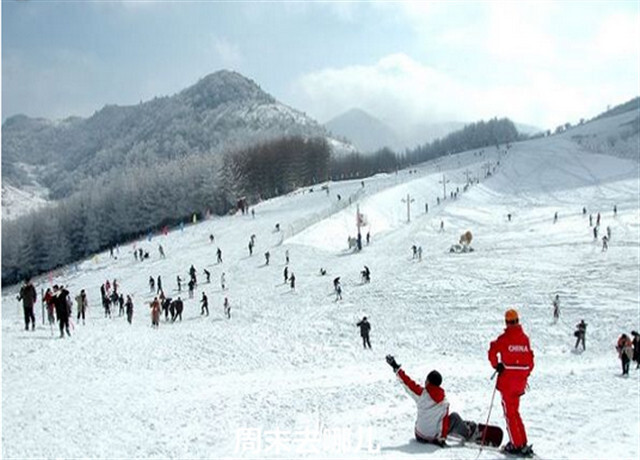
(516, 355)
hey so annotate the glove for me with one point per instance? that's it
(500, 368)
(391, 361)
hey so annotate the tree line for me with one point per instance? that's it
(128, 203)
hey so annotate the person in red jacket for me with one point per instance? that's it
(514, 367)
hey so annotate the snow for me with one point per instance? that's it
(291, 362)
(16, 202)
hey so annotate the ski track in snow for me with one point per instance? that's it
(292, 360)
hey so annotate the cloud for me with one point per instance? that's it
(402, 91)
(228, 53)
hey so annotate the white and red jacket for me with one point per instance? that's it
(432, 422)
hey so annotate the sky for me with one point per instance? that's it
(539, 63)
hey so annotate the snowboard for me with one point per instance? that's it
(492, 437)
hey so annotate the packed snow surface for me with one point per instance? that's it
(287, 376)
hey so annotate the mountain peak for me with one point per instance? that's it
(221, 87)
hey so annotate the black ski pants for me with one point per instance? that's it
(64, 325)
(365, 341)
(625, 363)
(29, 317)
(580, 339)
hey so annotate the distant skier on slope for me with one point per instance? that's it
(28, 295)
(625, 352)
(433, 422)
(514, 367)
(365, 329)
(205, 304)
(556, 308)
(636, 348)
(581, 333)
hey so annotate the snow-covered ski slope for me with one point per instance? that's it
(287, 375)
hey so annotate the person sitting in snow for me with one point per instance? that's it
(433, 422)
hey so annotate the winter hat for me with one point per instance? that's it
(511, 316)
(434, 378)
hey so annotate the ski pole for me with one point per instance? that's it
(486, 425)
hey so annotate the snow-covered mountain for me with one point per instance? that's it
(364, 131)
(286, 376)
(222, 111)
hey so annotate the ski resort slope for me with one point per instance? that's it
(287, 376)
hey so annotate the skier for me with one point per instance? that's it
(129, 305)
(615, 210)
(584, 211)
(159, 284)
(442, 225)
(205, 304)
(219, 254)
(107, 307)
(192, 286)
(161, 250)
(337, 288)
(227, 308)
(286, 256)
(605, 243)
(419, 253)
(176, 309)
(365, 328)
(636, 348)
(598, 220)
(580, 333)
(555, 217)
(556, 309)
(250, 248)
(414, 250)
(28, 295)
(514, 367)
(155, 313)
(222, 281)
(152, 284)
(211, 238)
(292, 280)
(266, 257)
(590, 220)
(595, 233)
(81, 300)
(286, 274)
(625, 352)
(62, 309)
(207, 274)
(48, 299)
(368, 238)
(433, 422)
(179, 280)
(366, 274)
(192, 273)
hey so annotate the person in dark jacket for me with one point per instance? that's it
(365, 328)
(205, 304)
(28, 295)
(129, 306)
(581, 333)
(636, 347)
(62, 309)
(81, 301)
